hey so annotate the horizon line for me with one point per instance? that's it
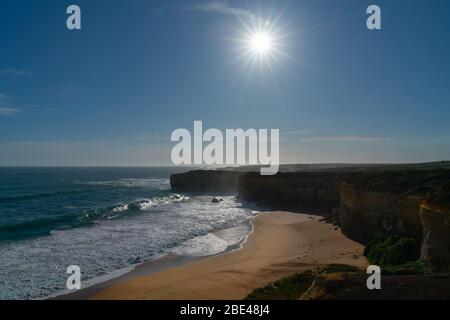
(216, 166)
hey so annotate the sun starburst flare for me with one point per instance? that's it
(261, 43)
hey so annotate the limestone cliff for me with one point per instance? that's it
(413, 203)
(316, 192)
(436, 237)
(363, 214)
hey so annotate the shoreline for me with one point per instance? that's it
(165, 262)
(279, 244)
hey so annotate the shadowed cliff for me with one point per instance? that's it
(413, 203)
(302, 191)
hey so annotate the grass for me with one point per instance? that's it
(408, 268)
(294, 286)
(288, 288)
(334, 268)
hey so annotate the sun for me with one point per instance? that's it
(261, 43)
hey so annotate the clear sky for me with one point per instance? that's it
(112, 93)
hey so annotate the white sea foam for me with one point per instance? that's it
(201, 246)
(212, 243)
(120, 208)
(37, 267)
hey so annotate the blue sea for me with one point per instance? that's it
(104, 220)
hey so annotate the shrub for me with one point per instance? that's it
(409, 268)
(392, 250)
(294, 286)
(288, 288)
(334, 268)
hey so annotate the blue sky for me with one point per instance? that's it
(112, 93)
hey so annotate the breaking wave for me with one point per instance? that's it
(43, 226)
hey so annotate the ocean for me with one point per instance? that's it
(105, 220)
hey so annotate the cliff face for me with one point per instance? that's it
(362, 210)
(436, 237)
(317, 192)
(206, 181)
(363, 214)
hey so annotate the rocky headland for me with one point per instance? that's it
(406, 202)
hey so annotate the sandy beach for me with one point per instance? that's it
(281, 243)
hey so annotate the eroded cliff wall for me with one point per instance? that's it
(312, 192)
(409, 204)
(362, 214)
(436, 237)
